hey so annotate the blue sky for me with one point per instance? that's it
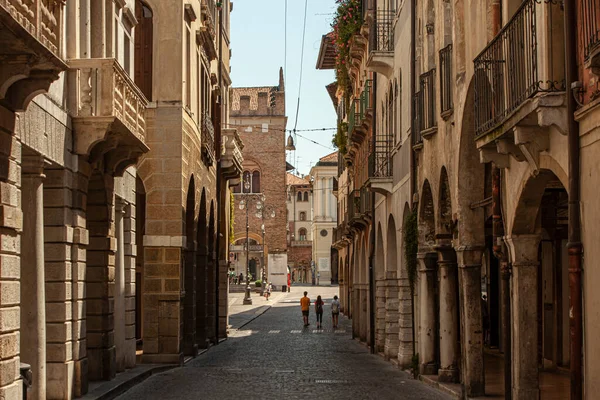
(257, 43)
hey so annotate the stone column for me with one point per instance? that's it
(469, 278)
(98, 28)
(120, 286)
(130, 284)
(380, 315)
(405, 320)
(391, 316)
(426, 332)
(33, 293)
(524, 256)
(201, 312)
(449, 349)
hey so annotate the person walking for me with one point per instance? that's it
(335, 311)
(241, 278)
(305, 305)
(268, 290)
(319, 311)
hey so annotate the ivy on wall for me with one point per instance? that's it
(340, 139)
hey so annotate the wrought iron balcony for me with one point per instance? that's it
(417, 139)
(231, 155)
(446, 81)
(428, 117)
(381, 42)
(108, 109)
(380, 165)
(590, 31)
(366, 102)
(524, 59)
(208, 139)
(31, 33)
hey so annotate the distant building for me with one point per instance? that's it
(299, 217)
(258, 113)
(324, 181)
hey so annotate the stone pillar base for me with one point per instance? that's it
(60, 380)
(449, 375)
(80, 377)
(428, 369)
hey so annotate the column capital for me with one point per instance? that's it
(469, 256)
(523, 249)
(33, 165)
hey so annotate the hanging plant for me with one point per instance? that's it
(231, 218)
(340, 139)
(411, 246)
(346, 23)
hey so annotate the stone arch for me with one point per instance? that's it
(526, 217)
(391, 263)
(445, 223)
(201, 272)
(99, 323)
(405, 328)
(380, 267)
(189, 346)
(471, 179)
(426, 217)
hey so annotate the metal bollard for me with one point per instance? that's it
(27, 377)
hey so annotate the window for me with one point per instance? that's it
(305, 196)
(302, 216)
(302, 234)
(256, 182)
(253, 178)
(143, 49)
(299, 196)
(246, 179)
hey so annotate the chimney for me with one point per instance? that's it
(281, 83)
(245, 105)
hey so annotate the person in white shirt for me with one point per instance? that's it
(335, 311)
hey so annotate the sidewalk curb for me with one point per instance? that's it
(118, 388)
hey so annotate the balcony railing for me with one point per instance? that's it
(353, 204)
(514, 67)
(105, 90)
(446, 103)
(208, 139)
(590, 24)
(365, 201)
(380, 162)
(382, 31)
(417, 139)
(41, 18)
(428, 118)
(366, 99)
(209, 15)
(353, 116)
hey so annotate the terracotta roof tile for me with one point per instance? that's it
(292, 179)
(333, 157)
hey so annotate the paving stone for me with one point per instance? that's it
(274, 356)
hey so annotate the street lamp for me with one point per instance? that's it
(259, 200)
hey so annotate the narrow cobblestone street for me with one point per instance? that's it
(274, 356)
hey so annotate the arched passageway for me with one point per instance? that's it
(201, 274)
(189, 346)
(391, 292)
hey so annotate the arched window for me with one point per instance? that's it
(305, 196)
(246, 179)
(299, 196)
(302, 234)
(302, 216)
(143, 48)
(256, 182)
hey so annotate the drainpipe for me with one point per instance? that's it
(372, 235)
(412, 168)
(220, 197)
(574, 245)
(498, 246)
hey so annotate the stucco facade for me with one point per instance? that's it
(299, 206)
(474, 146)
